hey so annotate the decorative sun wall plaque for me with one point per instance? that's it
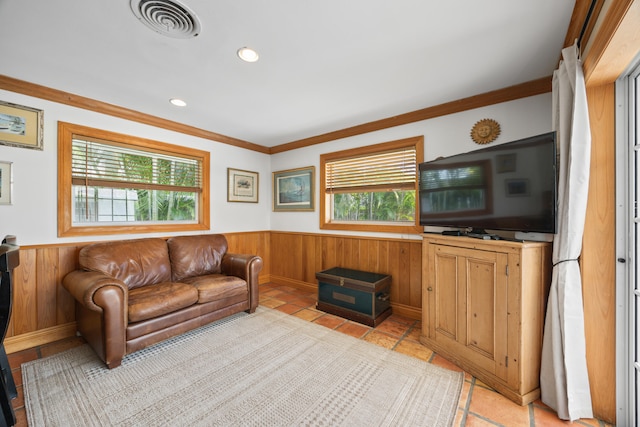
(485, 131)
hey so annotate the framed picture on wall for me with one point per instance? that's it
(6, 183)
(242, 186)
(21, 126)
(293, 189)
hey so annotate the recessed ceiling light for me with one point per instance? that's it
(247, 54)
(178, 102)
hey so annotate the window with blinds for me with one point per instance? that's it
(373, 172)
(101, 164)
(111, 183)
(371, 188)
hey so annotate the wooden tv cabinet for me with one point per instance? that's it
(483, 308)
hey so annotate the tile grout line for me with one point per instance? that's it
(465, 411)
(406, 333)
(532, 415)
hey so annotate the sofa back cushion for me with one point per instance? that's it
(136, 262)
(196, 255)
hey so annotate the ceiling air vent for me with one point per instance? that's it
(167, 17)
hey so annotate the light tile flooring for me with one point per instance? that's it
(478, 406)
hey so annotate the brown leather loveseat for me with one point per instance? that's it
(134, 293)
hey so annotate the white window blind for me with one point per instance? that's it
(373, 172)
(100, 164)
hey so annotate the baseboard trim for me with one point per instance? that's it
(39, 337)
(263, 279)
(406, 311)
(298, 284)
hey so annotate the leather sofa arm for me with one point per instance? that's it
(101, 312)
(248, 268)
(89, 287)
(243, 266)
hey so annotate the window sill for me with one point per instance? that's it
(380, 228)
(129, 229)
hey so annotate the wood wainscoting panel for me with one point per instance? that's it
(40, 303)
(24, 311)
(68, 261)
(252, 242)
(296, 257)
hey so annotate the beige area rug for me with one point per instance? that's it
(261, 369)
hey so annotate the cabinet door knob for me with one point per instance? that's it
(429, 288)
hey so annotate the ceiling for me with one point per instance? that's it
(324, 65)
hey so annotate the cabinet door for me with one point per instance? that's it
(469, 305)
(443, 295)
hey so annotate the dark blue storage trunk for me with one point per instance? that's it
(356, 295)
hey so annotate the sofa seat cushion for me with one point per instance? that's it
(213, 287)
(147, 302)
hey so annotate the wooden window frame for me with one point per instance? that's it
(416, 143)
(66, 133)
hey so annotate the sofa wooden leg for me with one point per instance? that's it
(114, 363)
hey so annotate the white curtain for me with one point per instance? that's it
(564, 380)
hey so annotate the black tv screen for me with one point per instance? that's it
(510, 186)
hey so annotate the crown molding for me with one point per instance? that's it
(31, 89)
(523, 90)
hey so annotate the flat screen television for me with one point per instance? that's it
(510, 186)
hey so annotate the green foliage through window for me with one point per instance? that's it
(371, 188)
(393, 206)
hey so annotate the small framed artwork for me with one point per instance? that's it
(293, 189)
(506, 163)
(6, 183)
(242, 186)
(517, 187)
(21, 126)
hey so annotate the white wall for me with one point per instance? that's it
(33, 215)
(443, 136)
